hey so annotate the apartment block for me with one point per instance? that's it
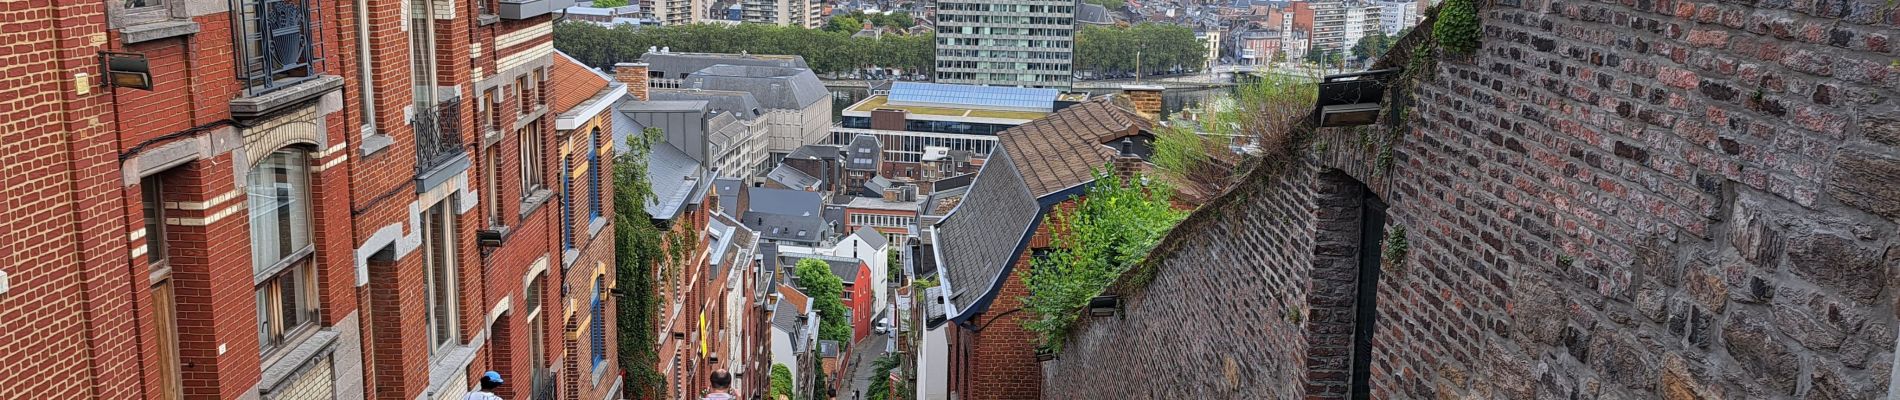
(1026, 43)
(801, 13)
(1337, 25)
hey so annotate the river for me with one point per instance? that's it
(1172, 101)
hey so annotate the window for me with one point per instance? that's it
(274, 46)
(567, 204)
(144, 11)
(593, 176)
(152, 199)
(491, 111)
(597, 330)
(522, 97)
(422, 51)
(491, 186)
(531, 172)
(279, 193)
(438, 242)
(537, 329)
(537, 93)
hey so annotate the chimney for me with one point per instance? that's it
(634, 74)
(1128, 165)
(1146, 98)
(867, 25)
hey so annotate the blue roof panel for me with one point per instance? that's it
(973, 96)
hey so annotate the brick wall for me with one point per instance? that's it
(1628, 200)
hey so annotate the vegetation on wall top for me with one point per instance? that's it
(1102, 235)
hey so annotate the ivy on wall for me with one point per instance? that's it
(1456, 29)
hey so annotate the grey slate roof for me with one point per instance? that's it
(815, 152)
(728, 191)
(785, 318)
(953, 182)
(676, 177)
(845, 268)
(977, 242)
(872, 237)
(674, 64)
(741, 104)
(876, 185)
(775, 87)
(784, 214)
(793, 178)
(863, 153)
(1090, 13)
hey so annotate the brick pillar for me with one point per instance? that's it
(634, 74)
(1146, 98)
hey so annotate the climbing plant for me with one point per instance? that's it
(781, 382)
(637, 250)
(1456, 29)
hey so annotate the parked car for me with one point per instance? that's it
(883, 326)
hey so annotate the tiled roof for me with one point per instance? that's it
(1059, 151)
(976, 243)
(574, 83)
(846, 268)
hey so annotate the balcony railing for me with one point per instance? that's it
(278, 45)
(438, 131)
(543, 386)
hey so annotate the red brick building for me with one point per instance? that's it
(398, 239)
(1040, 167)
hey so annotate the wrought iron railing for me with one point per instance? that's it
(543, 386)
(438, 132)
(277, 45)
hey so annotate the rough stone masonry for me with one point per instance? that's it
(1610, 199)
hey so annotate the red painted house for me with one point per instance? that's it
(857, 295)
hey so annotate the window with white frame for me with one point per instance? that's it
(531, 169)
(438, 262)
(278, 189)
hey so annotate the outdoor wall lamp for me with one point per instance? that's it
(1105, 306)
(1352, 99)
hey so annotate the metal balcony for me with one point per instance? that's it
(439, 149)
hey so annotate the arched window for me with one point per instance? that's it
(279, 203)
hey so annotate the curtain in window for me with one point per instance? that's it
(279, 191)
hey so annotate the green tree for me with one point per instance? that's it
(781, 381)
(820, 387)
(881, 378)
(1149, 47)
(637, 250)
(826, 291)
(1103, 235)
(1372, 45)
(843, 24)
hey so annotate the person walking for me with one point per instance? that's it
(490, 381)
(721, 385)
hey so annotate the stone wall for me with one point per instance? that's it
(1634, 199)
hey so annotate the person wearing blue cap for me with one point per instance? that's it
(490, 381)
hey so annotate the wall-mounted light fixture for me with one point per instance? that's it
(1105, 306)
(1352, 99)
(126, 70)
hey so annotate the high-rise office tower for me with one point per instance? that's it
(1026, 43)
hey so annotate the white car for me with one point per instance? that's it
(883, 326)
